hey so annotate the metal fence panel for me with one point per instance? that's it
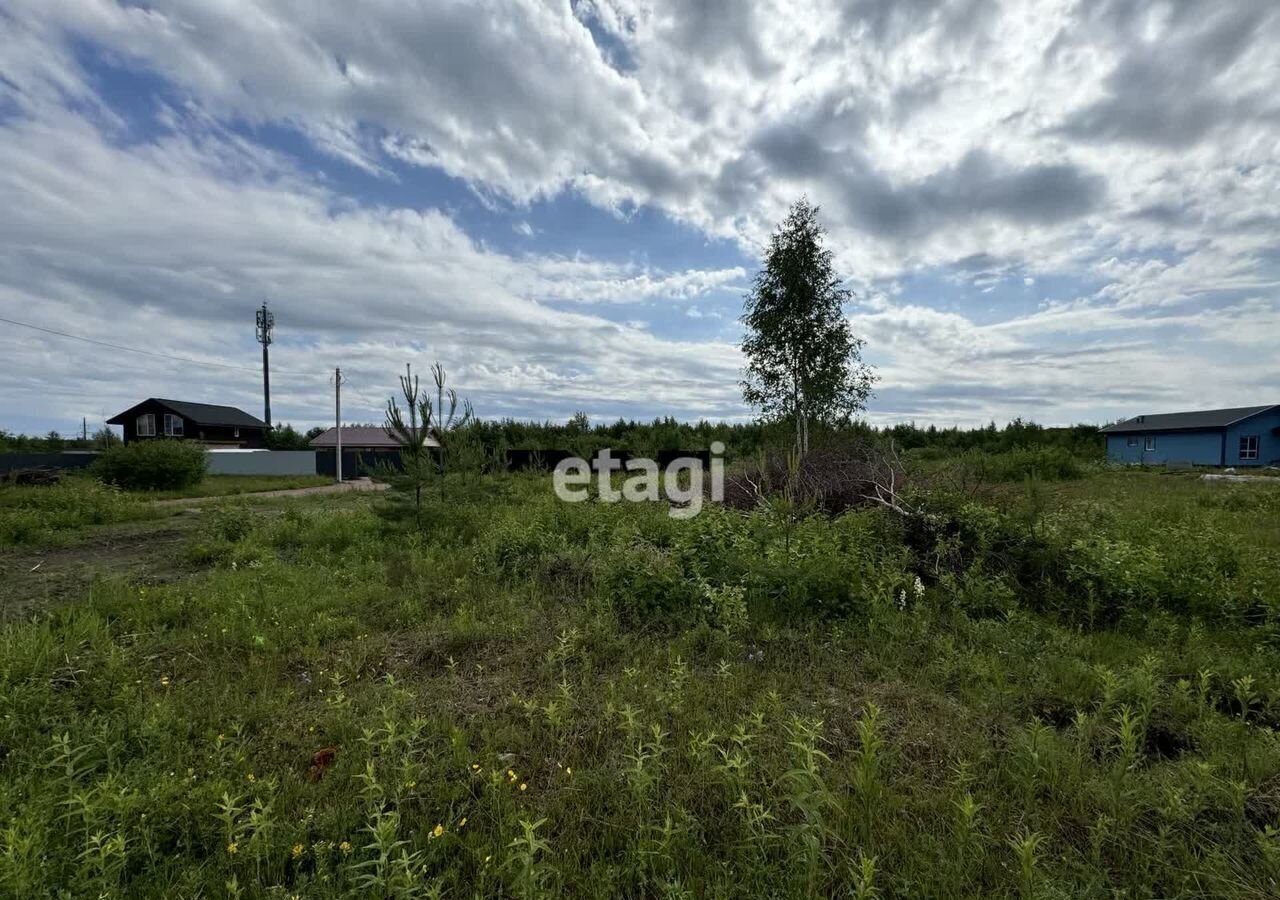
(74, 459)
(262, 462)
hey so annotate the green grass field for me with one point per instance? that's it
(1061, 689)
(55, 515)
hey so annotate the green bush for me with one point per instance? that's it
(156, 465)
(648, 588)
(230, 522)
(1045, 463)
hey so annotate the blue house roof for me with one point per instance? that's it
(1202, 420)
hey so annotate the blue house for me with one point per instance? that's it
(1244, 436)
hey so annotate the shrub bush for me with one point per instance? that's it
(230, 522)
(157, 465)
(1045, 463)
(648, 588)
(974, 473)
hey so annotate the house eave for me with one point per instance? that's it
(1208, 429)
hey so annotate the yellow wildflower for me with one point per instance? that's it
(569, 770)
(232, 848)
(297, 850)
(523, 786)
(345, 847)
(438, 830)
(250, 778)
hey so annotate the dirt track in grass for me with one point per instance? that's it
(146, 552)
(359, 484)
(35, 579)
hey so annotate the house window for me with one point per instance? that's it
(147, 425)
(1149, 443)
(1133, 442)
(1249, 447)
(172, 425)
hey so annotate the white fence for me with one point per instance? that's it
(262, 462)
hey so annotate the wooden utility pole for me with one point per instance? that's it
(337, 416)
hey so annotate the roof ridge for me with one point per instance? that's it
(197, 402)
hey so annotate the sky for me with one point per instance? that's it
(1063, 210)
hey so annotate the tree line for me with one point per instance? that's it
(667, 433)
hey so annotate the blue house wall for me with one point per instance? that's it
(1263, 426)
(1120, 451)
(1202, 448)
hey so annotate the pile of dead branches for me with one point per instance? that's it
(824, 480)
(42, 475)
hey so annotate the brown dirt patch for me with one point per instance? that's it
(33, 579)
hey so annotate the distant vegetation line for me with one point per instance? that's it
(749, 438)
(670, 434)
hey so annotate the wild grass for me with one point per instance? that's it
(49, 514)
(531, 698)
(1248, 512)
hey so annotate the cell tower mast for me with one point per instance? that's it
(266, 324)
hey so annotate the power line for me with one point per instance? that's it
(184, 359)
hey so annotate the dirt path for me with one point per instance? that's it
(148, 552)
(359, 484)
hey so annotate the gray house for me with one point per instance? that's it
(1241, 436)
(363, 437)
(364, 448)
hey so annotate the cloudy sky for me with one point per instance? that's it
(1066, 210)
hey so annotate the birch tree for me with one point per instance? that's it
(804, 363)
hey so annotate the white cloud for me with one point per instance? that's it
(929, 130)
(1128, 145)
(170, 245)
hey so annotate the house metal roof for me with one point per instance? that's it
(1201, 420)
(372, 436)
(199, 413)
